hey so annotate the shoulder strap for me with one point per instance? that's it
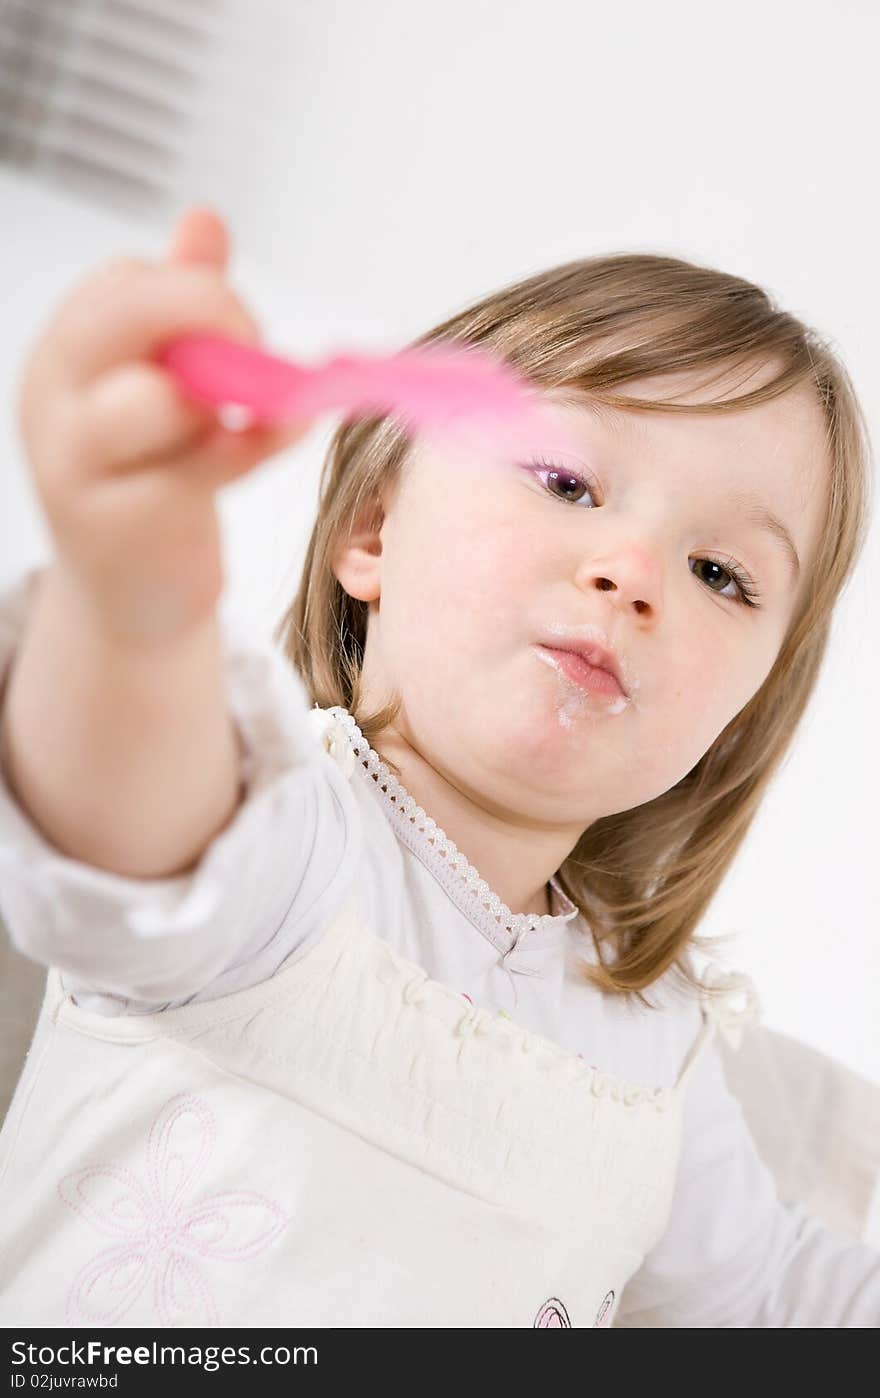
(731, 1009)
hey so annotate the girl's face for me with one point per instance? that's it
(479, 563)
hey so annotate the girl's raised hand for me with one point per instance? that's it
(125, 466)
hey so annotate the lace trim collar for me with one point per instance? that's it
(471, 894)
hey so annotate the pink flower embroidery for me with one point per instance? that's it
(552, 1316)
(161, 1231)
(603, 1318)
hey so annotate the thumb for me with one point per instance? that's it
(201, 238)
(200, 235)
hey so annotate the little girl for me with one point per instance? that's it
(372, 998)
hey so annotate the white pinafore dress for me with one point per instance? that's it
(349, 1143)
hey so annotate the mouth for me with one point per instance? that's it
(589, 666)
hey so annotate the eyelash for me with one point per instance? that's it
(748, 593)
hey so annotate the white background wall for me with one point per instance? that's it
(411, 158)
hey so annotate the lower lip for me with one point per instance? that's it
(584, 675)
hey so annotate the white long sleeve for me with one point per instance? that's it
(733, 1255)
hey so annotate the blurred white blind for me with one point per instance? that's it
(136, 102)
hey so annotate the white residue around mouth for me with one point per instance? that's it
(573, 702)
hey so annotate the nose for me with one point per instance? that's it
(632, 571)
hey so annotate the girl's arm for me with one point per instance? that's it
(734, 1256)
(127, 858)
(262, 890)
(124, 756)
(115, 734)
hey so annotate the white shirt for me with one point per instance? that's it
(328, 936)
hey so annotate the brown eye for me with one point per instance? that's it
(567, 484)
(711, 566)
(747, 593)
(562, 483)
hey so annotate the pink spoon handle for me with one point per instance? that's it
(455, 392)
(218, 371)
(430, 387)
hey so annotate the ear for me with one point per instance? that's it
(357, 559)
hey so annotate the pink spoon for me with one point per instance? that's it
(451, 390)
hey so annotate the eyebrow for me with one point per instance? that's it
(752, 507)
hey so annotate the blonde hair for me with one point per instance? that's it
(642, 878)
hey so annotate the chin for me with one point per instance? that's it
(528, 742)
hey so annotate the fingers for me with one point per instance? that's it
(200, 236)
(95, 401)
(134, 416)
(217, 457)
(127, 416)
(222, 456)
(127, 311)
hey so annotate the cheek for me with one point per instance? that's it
(462, 578)
(711, 686)
(488, 572)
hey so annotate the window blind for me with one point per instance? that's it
(123, 100)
